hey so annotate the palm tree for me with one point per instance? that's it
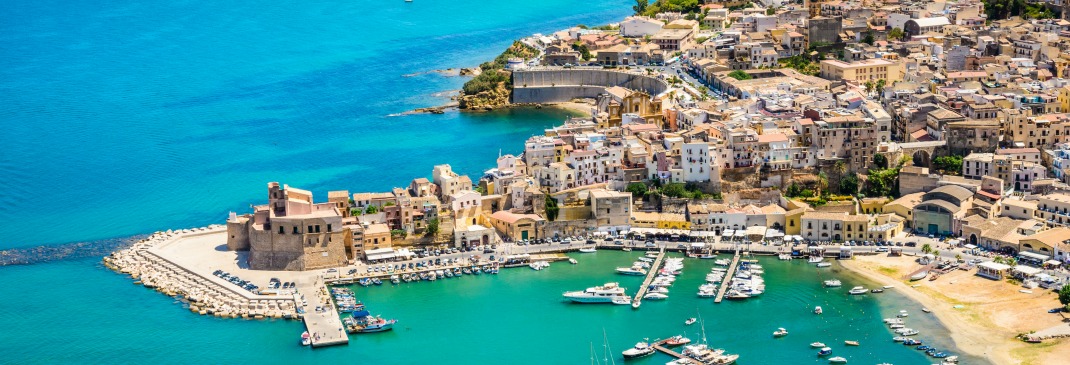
(926, 248)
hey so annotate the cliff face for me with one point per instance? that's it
(496, 97)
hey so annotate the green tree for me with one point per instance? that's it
(551, 208)
(868, 38)
(432, 227)
(849, 184)
(880, 161)
(740, 75)
(793, 190)
(1064, 295)
(869, 87)
(371, 210)
(926, 248)
(580, 47)
(770, 11)
(640, 6)
(948, 165)
(675, 190)
(880, 86)
(398, 233)
(637, 189)
(896, 34)
(356, 211)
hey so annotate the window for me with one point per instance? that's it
(328, 228)
(281, 230)
(295, 229)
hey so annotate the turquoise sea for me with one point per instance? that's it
(125, 117)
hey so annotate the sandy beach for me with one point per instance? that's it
(992, 313)
(573, 106)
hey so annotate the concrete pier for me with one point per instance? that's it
(649, 277)
(727, 278)
(660, 347)
(325, 328)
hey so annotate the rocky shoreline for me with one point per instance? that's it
(202, 295)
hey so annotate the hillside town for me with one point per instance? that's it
(831, 122)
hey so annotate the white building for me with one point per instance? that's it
(639, 26)
(695, 161)
(465, 199)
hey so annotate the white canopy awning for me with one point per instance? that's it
(970, 246)
(698, 244)
(1034, 256)
(728, 233)
(1027, 270)
(380, 254)
(1053, 262)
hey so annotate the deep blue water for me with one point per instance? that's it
(126, 117)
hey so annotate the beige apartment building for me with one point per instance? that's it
(862, 71)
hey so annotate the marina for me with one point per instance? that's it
(638, 300)
(731, 271)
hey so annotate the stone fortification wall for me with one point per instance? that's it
(560, 85)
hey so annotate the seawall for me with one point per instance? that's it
(554, 85)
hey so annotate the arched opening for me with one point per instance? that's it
(973, 239)
(921, 158)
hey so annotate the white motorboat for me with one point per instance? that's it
(631, 271)
(815, 259)
(833, 283)
(902, 313)
(891, 321)
(818, 310)
(926, 310)
(646, 259)
(919, 276)
(722, 262)
(622, 300)
(784, 256)
(817, 345)
(655, 296)
(639, 350)
(690, 321)
(838, 360)
(306, 339)
(599, 294)
(780, 332)
(858, 290)
(824, 264)
(660, 290)
(588, 250)
(539, 265)
(906, 331)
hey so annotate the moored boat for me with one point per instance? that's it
(858, 290)
(655, 296)
(630, 271)
(833, 283)
(818, 310)
(640, 349)
(824, 264)
(838, 360)
(690, 321)
(780, 332)
(677, 340)
(588, 250)
(306, 339)
(598, 294)
(919, 276)
(817, 345)
(825, 351)
(850, 343)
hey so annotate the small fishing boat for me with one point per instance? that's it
(626, 249)
(911, 342)
(838, 360)
(818, 310)
(923, 348)
(690, 321)
(622, 300)
(833, 283)
(573, 261)
(817, 345)
(815, 259)
(850, 343)
(677, 340)
(919, 276)
(306, 339)
(887, 287)
(902, 313)
(909, 332)
(824, 264)
(780, 332)
(899, 339)
(825, 351)
(588, 250)
(877, 290)
(926, 310)
(858, 290)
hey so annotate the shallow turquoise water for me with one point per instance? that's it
(125, 117)
(517, 315)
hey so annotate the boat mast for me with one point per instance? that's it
(605, 345)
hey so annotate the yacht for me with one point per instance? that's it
(655, 296)
(598, 294)
(630, 271)
(780, 332)
(641, 349)
(833, 283)
(858, 290)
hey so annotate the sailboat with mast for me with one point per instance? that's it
(704, 354)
